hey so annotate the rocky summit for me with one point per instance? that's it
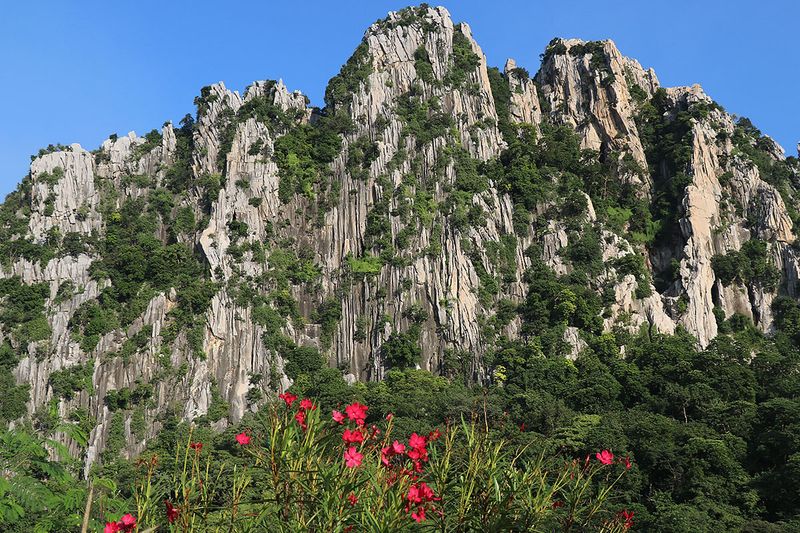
(433, 211)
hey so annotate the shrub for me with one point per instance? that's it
(305, 470)
(402, 350)
(464, 60)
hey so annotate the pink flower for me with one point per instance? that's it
(356, 412)
(605, 457)
(300, 416)
(389, 416)
(417, 442)
(627, 462)
(243, 438)
(414, 495)
(352, 437)
(627, 516)
(352, 498)
(418, 451)
(386, 455)
(288, 397)
(420, 493)
(196, 446)
(337, 416)
(419, 516)
(128, 521)
(307, 405)
(418, 454)
(172, 512)
(427, 492)
(398, 448)
(352, 458)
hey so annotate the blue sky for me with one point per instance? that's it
(79, 71)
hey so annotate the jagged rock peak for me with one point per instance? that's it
(588, 86)
(419, 53)
(524, 106)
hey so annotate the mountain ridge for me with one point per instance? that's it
(198, 269)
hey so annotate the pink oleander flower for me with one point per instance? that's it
(352, 458)
(126, 523)
(288, 397)
(243, 439)
(627, 516)
(356, 412)
(386, 455)
(172, 511)
(337, 416)
(300, 416)
(352, 437)
(307, 405)
(417, 442)
(398, 447)
(605, 457)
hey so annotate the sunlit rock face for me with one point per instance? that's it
(396, 236)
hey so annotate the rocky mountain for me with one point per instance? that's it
(434, 208)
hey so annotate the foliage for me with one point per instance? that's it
(354, 73)
(401, 350)
(298, 469)
(303, 155)
(22, 310)
(39, 493)
(464, 60)
(423, 118)
(66, 382)
(750, 265)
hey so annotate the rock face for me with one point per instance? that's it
(388, 237)
(586, 87)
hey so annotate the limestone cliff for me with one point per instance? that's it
(376, 227)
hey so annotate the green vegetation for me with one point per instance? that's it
(750, 265)
(555, 47)
(423, 66)
(423, 119)
(367, 265)
(782, 174)
(14, 397)
(303, 155)
(22, 310)
(464, 60)
(354, 73)
(138, 264)
(360, 155)
(151, 141)
(65, 383)
(599, 61)
(402, 350)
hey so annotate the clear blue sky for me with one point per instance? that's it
(79, 71)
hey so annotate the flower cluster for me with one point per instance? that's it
(359, 466)
(418, 497)
(126, 523)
